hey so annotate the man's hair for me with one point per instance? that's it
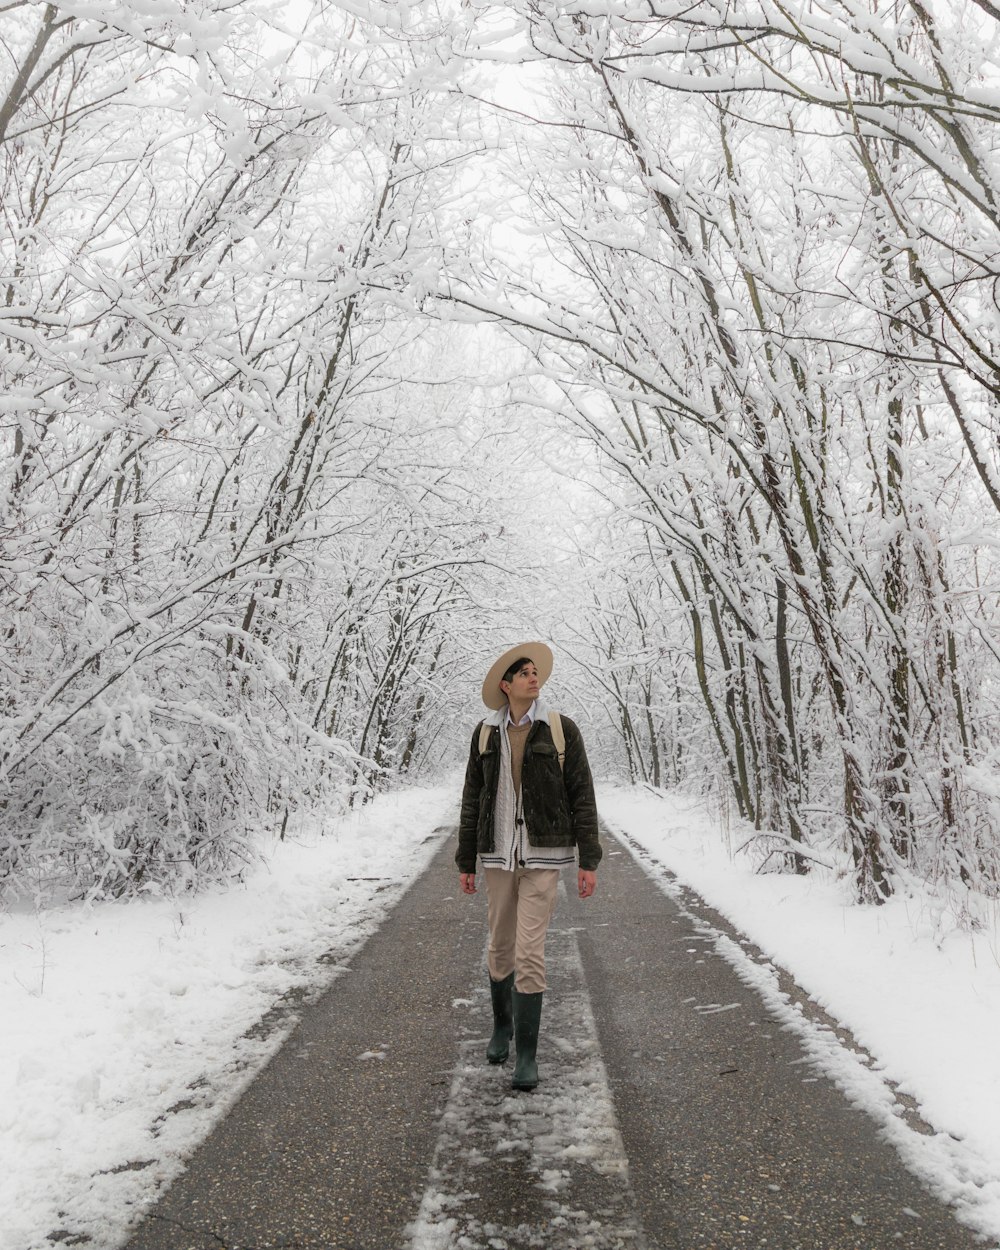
(516, 667)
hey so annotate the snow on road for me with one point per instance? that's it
(555, 1143)
(127, 1028)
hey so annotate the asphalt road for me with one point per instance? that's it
(675, 1109)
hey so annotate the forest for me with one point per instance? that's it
(344, 344)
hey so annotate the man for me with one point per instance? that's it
(527, 806)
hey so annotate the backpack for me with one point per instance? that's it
(555, 728)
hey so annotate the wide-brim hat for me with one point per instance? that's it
(537, 652)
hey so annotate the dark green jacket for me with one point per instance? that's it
(559, 805)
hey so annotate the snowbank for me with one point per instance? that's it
(125, 1026)
(918, 991)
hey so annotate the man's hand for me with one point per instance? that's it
(586, 882)
(467, 880)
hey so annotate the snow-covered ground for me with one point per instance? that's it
(123, 1027)
(918, 991)
(124, 1030)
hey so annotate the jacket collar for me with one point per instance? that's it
(538, 712)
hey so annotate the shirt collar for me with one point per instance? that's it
(537, 711)
(527, 718)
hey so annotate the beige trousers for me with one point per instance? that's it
(520, 905)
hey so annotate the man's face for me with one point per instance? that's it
(523, 685)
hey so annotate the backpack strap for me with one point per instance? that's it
(558, 737)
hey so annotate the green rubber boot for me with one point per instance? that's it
(503, 1020)
(527, 1014)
